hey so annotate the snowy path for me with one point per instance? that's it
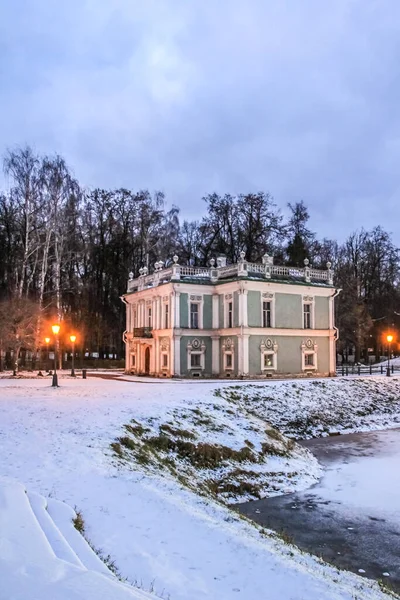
(56, 441)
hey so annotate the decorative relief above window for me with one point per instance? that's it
(309, 355)
(196, 350)
(196, 298)
(269, 355)
(228, 353)
(267, 295)
(228, 296)
(164, 344)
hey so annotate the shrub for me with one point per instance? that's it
(117, 449)
(183, 433)
(127, 442)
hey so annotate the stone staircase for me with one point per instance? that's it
(43, 557)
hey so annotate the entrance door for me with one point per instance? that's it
(147, 360)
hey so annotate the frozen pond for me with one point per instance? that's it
(351, 518)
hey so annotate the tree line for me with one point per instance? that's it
(66, 251)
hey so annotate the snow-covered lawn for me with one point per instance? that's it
(304, 409)
(161, 535)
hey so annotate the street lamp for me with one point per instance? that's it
(56, 331)
(47, 340)
(72, 339)
(389, 339)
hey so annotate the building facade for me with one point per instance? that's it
(243, 320)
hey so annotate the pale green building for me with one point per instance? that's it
(250, 320)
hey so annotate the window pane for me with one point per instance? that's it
(230, 314)
(268, 360)
(165, 360)
(307, 316)
(309, 360)
(194, 316)
(229, 361)
(149, 318)
(195, 360)
(166, 316)
(266, 314)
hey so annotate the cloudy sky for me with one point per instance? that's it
(300, 98)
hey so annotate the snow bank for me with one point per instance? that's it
(162, 537)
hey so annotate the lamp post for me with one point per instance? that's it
(389, 339)
(56, 331)
(72, 339)
(47, 340)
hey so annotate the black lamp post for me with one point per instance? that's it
(389, 340)
(56, 331)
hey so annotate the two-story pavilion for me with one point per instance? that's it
(240, 320)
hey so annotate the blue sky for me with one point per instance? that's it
(298, 98)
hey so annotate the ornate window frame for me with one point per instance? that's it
(309, 300)
(199, 300)
(227, 299)
(308, 347)
(269, 347)
(196, 346)
(149, 314)
(267, 297)
(228, 349)
(164, 351)
(165, 311)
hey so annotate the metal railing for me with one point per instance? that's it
(378, 369)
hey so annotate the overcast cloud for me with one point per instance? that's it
(299, 98)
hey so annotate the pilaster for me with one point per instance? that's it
(176, 370)
(215, 311)
(215, 354)
(243, 354)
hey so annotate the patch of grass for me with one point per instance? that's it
(127, 442)
(182, 433)
(117, 448)
(78, 522)
(285, 537)
(272, 450)
(243, 488)
(274, 434)
(162, 443)
(249, 443)
(203, 455)
(137, 430)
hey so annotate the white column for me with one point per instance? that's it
(156, 348)
(160, 324)
(332, 354)
(127, 356)
(215, 311)
(245, 320)
(177, 309)
(154, 313)
(177, 355)
(240, 354)
(245, 356)
(215, 355)
(142, 313)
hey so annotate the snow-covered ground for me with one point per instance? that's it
(303, 409)
(162, 536)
